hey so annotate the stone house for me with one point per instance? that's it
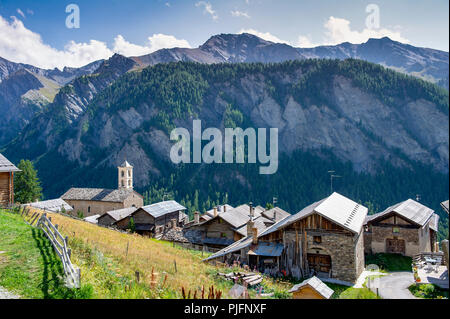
(7, 170)
(154, 220)
(406, 228)
(325, 239)
(98, 201)
(224, 224)
(93, 201)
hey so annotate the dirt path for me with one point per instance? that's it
(4, 294)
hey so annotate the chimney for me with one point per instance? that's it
(251, 210)
(196, 217)
(215, 211)
(224, 208)
(255, 236)
(219, 208)
(250, 227)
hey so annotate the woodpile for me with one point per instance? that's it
(247, 279)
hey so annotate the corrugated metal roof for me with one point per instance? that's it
(98, 194)
(409, 209)
(163, 208)
(266, 249)
(316, 284)
(51, 205)
(118, 214)
(343, 211)
(6, 165)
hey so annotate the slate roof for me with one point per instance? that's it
(98, 194)
(260, 223)
(162, 208)
(6, 165)
(236, 246)
(316, 284)
(239, 215)
(52, 205)
(118, 214)
(266, 249)
(276, 212)
(410, 210)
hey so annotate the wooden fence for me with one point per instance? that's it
(60, 243)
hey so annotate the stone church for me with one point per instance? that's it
(97, 201)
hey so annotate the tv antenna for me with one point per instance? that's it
(332, 175)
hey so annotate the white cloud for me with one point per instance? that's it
(167, 4)
(208, 9)
(155, 42)
(264, 35)
(20, 12)
(338, 30)
(21, 45)
(240, 14)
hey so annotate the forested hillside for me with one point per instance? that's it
(384, 132)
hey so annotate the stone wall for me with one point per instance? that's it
(90, 208)
(379, 235)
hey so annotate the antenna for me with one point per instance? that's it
(417, 197)
(331, 180)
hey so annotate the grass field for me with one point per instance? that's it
(344, 292)
(109, 260)
(28, 265)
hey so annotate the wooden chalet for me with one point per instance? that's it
(7, 170)
(156, 219)
(325, 238)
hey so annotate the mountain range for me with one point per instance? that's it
(344, 106)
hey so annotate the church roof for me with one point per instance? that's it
(98, 194)
(125, 164)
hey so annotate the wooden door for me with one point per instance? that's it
(319, 263)
(395, 246)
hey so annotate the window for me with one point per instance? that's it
(223, 235)
(317, 239)
(89, 209)
(129, 173)
(123, 173)
(395, 230)
(129, 183)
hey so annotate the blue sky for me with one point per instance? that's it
(35, 32)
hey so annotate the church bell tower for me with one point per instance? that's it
(125, 176)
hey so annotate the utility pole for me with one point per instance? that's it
(331, 180)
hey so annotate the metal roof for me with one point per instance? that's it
(99, 194)
(162, 208)
(445, 205)
(236, 246)
(316, 284)
(337, 208)
(434, 222)
(260, 223)
(118, 214)
(6, 165)
(266, 249)
(239, 215)
(52, 205)
(92, 219)
(409, 209)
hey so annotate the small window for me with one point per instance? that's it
(396, 230)
(123, 173)
(223, 235)
(317, 239)
(129, 183)
(129, 173)
(89, 209)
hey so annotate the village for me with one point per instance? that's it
(327, 242)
